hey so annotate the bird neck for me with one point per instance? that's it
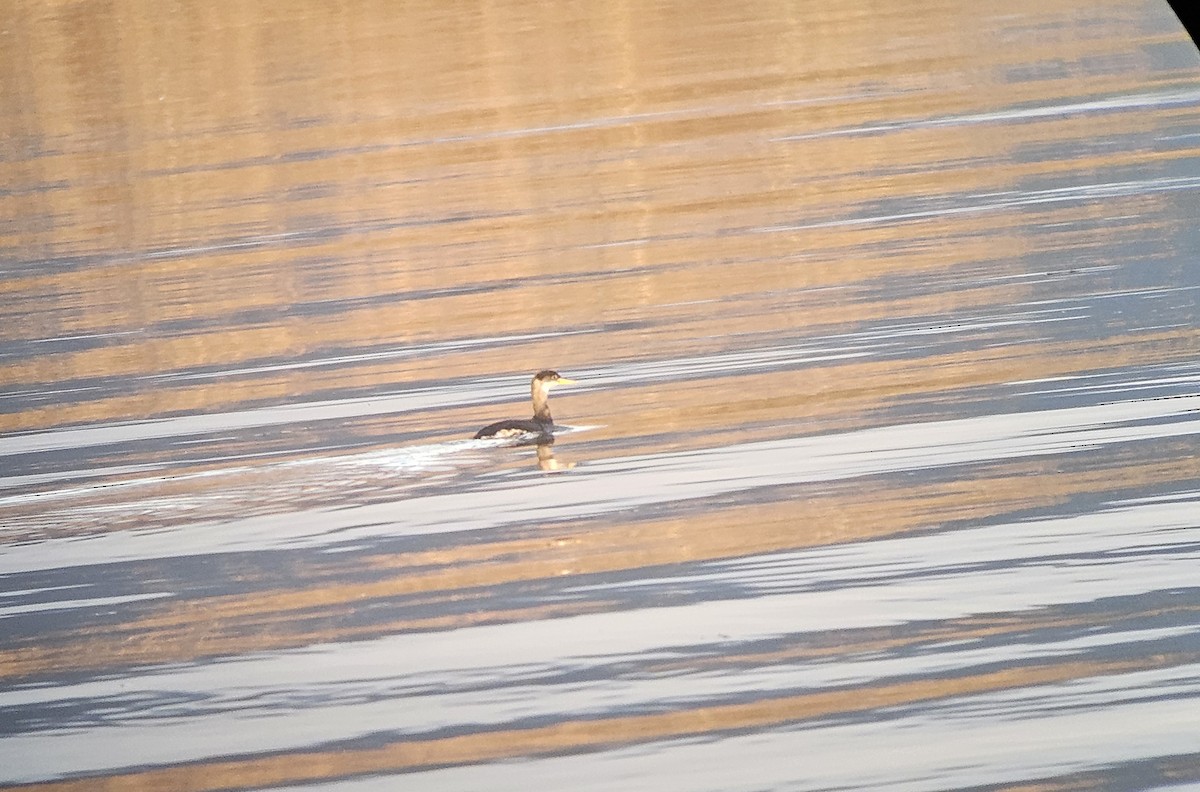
(541, 404)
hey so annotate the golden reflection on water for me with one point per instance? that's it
(240, 623)
(591, 733)
(796, 219)
(391, 181)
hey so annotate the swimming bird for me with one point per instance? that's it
(541, 423)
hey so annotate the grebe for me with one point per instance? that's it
(541, 423)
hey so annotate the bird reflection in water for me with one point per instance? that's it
(546, 459)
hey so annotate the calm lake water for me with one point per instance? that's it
(883, 466)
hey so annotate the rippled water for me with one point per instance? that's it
(883, 468)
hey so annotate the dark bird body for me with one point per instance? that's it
(542, 423)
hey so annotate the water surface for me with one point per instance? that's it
(883, 469)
